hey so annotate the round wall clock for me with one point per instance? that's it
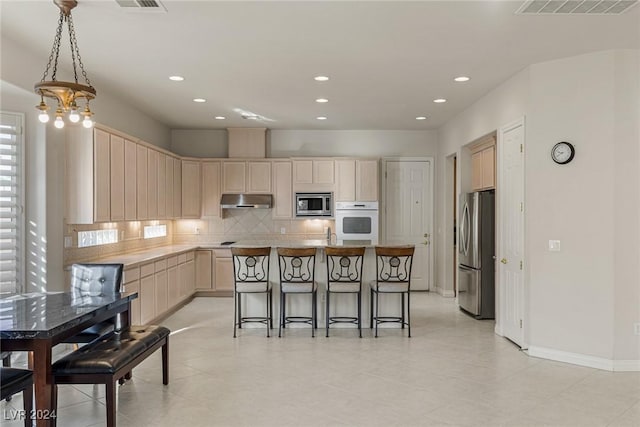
(562, 153)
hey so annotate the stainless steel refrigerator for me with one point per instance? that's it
(476, 254)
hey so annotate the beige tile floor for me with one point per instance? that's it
(454, 372)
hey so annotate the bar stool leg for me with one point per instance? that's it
(111, 403)
(326, 319)
(370, 308)
(402, 316)
(359, 314)
(313, 315)
(409, 313)
(281, 314)
(235, 312)
(376, 318)
(239, 311)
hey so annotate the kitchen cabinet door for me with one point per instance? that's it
(169, 187)
(476, 171)
(203, 265)
(173, 286)
(191, 189)
(345, 180)
(177, 188)
(147, 299)
(366, 181)
(152, 184)
(258, 177)
(489, 167)
(130, 178)
(483, 164)
(233, 177)
(101, 183)
(282, 190)
(323, 172)
(162, 186)
(161, 289)
(210, 188)
(303, 171)
(224, 270)
(141, 181)
(117, 178)
(131, 283)
(190, 282)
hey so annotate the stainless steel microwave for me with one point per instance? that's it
(314, 204)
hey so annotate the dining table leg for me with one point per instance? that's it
(44, 412)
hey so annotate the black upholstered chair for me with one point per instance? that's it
(251, 276)
(393, 276)
(344, 276)
(92, 280)
(297, 276)
(13, 381)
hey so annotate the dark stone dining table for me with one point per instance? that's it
(36, 322)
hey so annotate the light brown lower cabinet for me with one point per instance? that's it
(173, 286)
(161, 295)
(204, 269)
(223, 270)
(147, 295)
(131, 283)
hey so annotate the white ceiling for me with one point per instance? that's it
(387, 60)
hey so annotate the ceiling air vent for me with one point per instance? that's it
(575, 7)
(142, 5)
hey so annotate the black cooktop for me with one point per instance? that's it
(227, 243)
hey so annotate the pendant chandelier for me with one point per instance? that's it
(66, 94)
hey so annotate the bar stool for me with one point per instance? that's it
(251, 276)
(297, 276)
(344, 276)
(393, 276)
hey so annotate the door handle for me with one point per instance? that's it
(504, 260)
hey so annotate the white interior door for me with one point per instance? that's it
(409, 213)
(511, 225)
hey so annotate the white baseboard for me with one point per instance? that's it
(584, 360)
(447, 293)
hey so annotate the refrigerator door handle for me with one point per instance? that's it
(465, 229)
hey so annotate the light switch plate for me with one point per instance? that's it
(554, 245)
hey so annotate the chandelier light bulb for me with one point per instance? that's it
(74, 116)
(87, 122)
(59, 123)
(43, 117)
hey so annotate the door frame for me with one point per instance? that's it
(501, 303)
(383, 205)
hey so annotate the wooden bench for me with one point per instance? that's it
(110, 359)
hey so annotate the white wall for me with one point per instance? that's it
(584, 299)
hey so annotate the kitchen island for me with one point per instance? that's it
(168, 277)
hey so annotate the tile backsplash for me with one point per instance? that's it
(235, 224)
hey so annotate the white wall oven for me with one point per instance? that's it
(314, 205)
(357, 221)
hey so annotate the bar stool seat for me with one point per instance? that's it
(344, 276)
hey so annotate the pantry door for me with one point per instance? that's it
(408, 213)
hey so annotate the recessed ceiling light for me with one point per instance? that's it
(439, 100)
(176, 78)
(462, 79)
(321, 118)
(220, 117)
(322, 100)
(199, 100)
(421, 118)
(321, 78)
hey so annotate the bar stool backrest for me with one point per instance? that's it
(91, 280)
(344, 264)
(297, 265)
(251, 265)
(393, 263)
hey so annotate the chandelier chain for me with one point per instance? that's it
(75, 52)
(55, 51)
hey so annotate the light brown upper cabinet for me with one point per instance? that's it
(177, 188)
(282, 189)
(117, 178)
(252, 176)
(162, 186)
(101, 183)
(191, 189)
(210, 189)
(356, 180)
(141, 182)
(313, 175)
(168, 185)
(152, 183)
(130, 189)
(483, 164)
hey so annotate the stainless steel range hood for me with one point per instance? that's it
(237, 201)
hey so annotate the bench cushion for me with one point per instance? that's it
(108, 355)
(14, 380)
